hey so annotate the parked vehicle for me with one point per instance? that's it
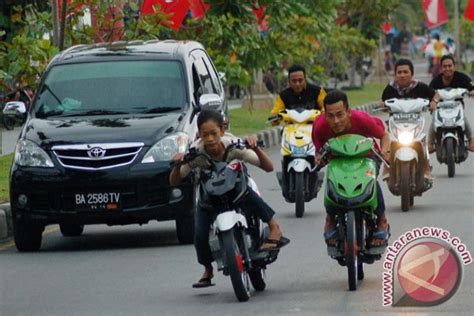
(351, 187)
(408, 150)
(236, 234)
(298, 180)
(104, 125)
(451, 142)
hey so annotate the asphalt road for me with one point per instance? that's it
(134, 270)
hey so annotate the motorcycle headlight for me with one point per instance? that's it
(28, 154)
(449, 122)
(405, 138)
(167, 148)
(298, 150)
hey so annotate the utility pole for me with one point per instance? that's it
(63, 24)
(456, 31)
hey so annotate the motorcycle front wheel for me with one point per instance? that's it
(8, 122)
(450, 161)
(351, 255)
(405, 192)
(235, 266)
(299, 193)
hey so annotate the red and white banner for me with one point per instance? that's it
(469, 11)
(435, 13)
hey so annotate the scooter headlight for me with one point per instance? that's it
(298, 150)
(405, 138)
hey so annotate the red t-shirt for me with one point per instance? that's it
(361, 124)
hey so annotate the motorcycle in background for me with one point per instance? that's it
(408, 150)
(351, 188)
(451, 143)
(236, 234)
(298, 180)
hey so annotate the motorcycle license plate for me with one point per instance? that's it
(97, 201)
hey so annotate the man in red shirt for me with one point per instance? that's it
(338, 119)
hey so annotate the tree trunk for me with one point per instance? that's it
(63, 24)
(54, 5)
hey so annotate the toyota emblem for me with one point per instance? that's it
(96, 152)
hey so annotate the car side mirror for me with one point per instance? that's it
(15, 108)
(210, 102)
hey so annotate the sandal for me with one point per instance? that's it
(203, 282)
(381, 234)
(277, 243)
(331, 234)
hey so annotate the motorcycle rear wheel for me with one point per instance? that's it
(257, 280)
(235, 266)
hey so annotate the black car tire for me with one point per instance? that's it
(71, 230)
(27, 236)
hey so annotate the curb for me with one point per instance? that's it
(6, 225)
(270, 136)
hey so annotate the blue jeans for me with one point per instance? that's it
(204, 217)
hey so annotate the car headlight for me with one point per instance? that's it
(405, 138)
(167, 148)
(28, 154)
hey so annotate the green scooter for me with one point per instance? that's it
(351, 189)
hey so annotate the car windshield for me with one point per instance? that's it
(113, 87)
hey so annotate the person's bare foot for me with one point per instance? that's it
(381, 235)
(431, 148)
(274, 235)
(330, 234)
(471, 145)
(206, 278)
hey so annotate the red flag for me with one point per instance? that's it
(386, 27)
(435, 13)
(469, 11)
(198, 8)
(178, 9)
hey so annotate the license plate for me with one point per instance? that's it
(107, 201)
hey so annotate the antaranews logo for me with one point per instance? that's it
(423, 267)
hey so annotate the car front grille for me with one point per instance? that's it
(97, 156)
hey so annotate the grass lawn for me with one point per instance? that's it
(5, 163)
(244, 122)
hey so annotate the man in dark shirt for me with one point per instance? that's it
(299, 93)
(450, 78)
(404, 86)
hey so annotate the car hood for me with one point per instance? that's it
(100, 129)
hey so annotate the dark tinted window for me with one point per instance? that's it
(124, 86)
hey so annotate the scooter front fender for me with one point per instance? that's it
(450, 135)
(227, 220)
(299, 165)
(406, 154)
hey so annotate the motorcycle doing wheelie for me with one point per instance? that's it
(408, 150)
(236, 234)
(451, 144)
(351, 189)
(298, 180)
